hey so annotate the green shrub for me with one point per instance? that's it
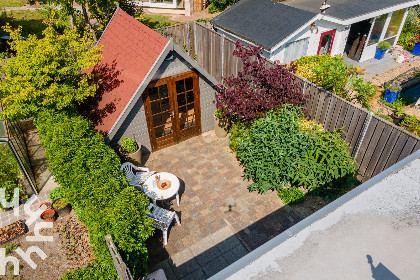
(410, 30)
(307, 63)
(128, 145)
(281, 149)
(326, 160)
(401, 101)
(411, 123)
(236, 133)
(384, 45)
(10, 174)
(291, 195)
(55, 194)
(270, 149)
(219, 113)
(332, 76)
(220, 5)
(89, 176)
(364, 91)
(94, 271)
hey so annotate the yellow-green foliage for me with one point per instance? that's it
(307, 63)
(46, 73)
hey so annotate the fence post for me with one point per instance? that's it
(362, 134)
(195, 40)
(122, 270)
(222, 57)
(187, 26)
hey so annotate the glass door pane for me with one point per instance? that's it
(395, 23)
(377, 29)
(161, 111)
(326, 42)
(185, 102)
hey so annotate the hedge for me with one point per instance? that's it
(89, 175)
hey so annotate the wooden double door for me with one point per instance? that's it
(172, 107)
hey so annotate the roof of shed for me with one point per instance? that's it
(262, 22)
(129, 51)
(345, 9)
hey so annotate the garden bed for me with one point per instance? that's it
(69, 250)
(12, 231)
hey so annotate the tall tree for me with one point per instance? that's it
(47, 72)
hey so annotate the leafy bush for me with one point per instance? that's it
(237, 132)
(401, 101)
(129, 145)
(56, 194)
(219, 113)
(384, 45)
(220, 5)
(291, 195)
(10, 174)
(410, 30)
(364, 91)
(411, 123)
(280, 149)
(89, 174)
(307, 63)
(332, 76)
(258, 88)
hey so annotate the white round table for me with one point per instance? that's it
(152, 191)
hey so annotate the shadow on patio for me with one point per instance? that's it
(221, 220)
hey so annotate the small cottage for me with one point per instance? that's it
(150, 90)
(291, 29)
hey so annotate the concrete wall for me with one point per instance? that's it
(135, 125)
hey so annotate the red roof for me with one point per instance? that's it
(129, 50)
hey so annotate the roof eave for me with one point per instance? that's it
(370, 15)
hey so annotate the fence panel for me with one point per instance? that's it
(381, 144)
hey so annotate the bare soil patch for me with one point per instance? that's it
(69, 250)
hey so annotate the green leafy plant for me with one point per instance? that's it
(291, 195)
(89, 175)
(399, 113)
(401, 101)
(219, 113)
(56, 194)
(236, 133)
(384, 45)
(364, 91)
(220, 5)
(129, 145)
(10, 174)
(282, 149)
(332, 76)
(60, 203)
(410, 30)
(411, 123)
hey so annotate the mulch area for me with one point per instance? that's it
(69, 250)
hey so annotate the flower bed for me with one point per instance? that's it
(12, 231)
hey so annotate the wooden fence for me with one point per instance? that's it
(376, 143)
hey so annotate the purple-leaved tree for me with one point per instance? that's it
(259, 87)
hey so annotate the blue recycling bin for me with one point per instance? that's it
(416, 49)
(380, 53)
(391, 96)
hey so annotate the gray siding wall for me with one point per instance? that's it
(207, 103)
(135, 125)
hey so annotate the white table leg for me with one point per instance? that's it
(177, 198)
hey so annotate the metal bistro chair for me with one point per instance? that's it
(163, 219)
(136, 175)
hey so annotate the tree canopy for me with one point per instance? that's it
(47, 72)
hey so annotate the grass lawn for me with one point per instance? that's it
(13, 3)
(157, 21)
(31, 21)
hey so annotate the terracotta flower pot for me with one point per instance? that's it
(48, 215)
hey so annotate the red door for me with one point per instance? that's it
(326, 42)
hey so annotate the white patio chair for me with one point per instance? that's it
(163, 219)
(136, 175)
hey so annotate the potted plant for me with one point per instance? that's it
(130, 150)
(12, 231)
(392, 93)
(398, 116)
(416, 49)
(381, 49)
(61, 206)
(48, 215)
(221, 123)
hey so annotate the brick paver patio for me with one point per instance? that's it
(221, 220)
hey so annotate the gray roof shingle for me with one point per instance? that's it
(345, 9)
(262, 22)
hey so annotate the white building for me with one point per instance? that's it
(295, 28)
